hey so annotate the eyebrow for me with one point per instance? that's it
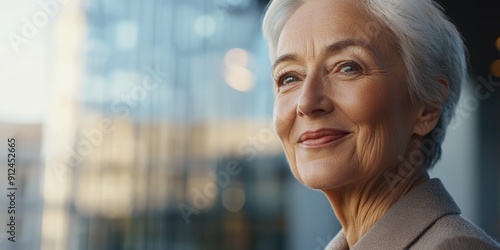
(332, 48)
(282, 59)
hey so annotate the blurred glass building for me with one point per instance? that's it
(155, 132)
(147, 125)
(172, 109)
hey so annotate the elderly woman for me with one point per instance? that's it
(364, 93)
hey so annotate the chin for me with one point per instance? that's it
(323, 175)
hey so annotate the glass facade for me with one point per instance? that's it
(156, 132)
(148, 125)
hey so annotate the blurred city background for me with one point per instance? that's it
(147, 125)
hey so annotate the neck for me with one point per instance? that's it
(359, 205)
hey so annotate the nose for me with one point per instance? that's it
(314, 98)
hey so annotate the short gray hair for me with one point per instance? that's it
(428, 42)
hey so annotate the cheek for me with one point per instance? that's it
(283, 117)
(376, 113)
(368, 105)
(371, 147)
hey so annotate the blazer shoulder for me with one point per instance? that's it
(466, 243)
(454, 232)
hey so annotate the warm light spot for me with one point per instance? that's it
(233, 199)
(236, 74)
(236, 57)
(239, 78)
(495, 68)
(498, 43)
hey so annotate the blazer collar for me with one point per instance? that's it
(406, 220)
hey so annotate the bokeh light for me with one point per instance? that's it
(233, 199)
(240, 78)
(495, 68)
(236, 57)
(236, 73)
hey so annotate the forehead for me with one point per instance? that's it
(319, 23)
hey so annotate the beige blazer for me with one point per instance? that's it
(425, 218)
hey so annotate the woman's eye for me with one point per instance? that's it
(289, 79)
(286, 78)
(349, 68)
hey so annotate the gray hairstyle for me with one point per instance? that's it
(429, 44)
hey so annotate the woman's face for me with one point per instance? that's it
(342, 109)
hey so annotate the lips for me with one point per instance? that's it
(321, 137)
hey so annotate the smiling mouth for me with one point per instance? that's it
(321, 137)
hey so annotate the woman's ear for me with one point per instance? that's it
(427, 119)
